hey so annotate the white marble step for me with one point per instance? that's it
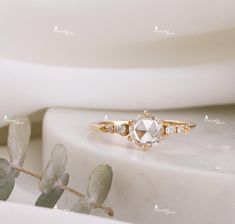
(18, 213)
(185, 179)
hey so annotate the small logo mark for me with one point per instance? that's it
(63, 32)
(164, 32)
(165, 211)
(214, 121)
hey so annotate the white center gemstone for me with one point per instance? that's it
(146, 131)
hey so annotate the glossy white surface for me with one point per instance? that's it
(185, 179)
(26, 88)
(122, 55)
(12, 213)
(125, 33)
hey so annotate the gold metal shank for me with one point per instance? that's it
(109, 126)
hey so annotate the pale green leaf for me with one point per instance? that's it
(82, 206)
(50, 199)
(55, 169)
(18, 139)
(99, 183)
(7, 179)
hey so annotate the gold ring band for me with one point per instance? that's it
(146, 131)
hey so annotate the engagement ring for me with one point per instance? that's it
(146, 131)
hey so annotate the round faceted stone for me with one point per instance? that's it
(170, 130)
(180, 129)
(146, 131)
(121, 129)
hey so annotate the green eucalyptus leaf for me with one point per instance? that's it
(99, 183)
(7, 179)
(50, 199)
(55, 169)
(83, 206)
(18, 139)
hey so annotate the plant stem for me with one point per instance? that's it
(107, 210)
(72, 191)
(19, 168)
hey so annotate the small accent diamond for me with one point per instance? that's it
(121, 129)
(180, 129)
(170, 130)
(110, 129)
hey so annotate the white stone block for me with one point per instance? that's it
(187, 178)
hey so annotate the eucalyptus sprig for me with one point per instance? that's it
(54, 180)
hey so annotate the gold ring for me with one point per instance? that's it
(146, 131)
